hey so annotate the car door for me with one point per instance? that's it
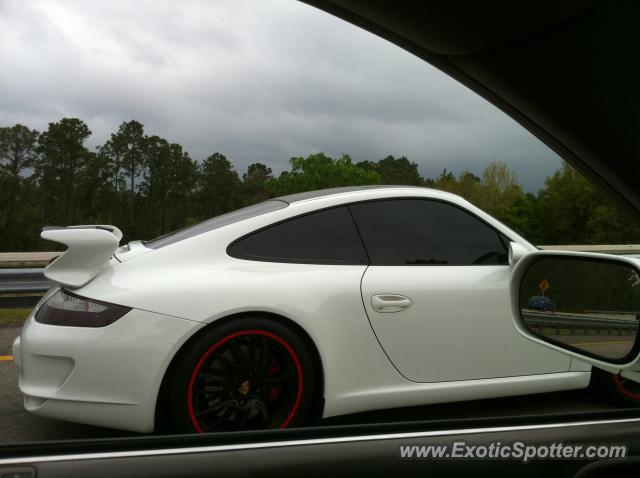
(436, 293)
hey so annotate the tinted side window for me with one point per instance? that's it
(425, 232)
(325, 237)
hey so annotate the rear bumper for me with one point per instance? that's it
(108, 376)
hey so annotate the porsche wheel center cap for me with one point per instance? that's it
(244, 387)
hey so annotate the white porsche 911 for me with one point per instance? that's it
(312, 305)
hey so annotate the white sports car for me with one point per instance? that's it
(312, 305)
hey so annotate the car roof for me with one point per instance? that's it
(322, 193)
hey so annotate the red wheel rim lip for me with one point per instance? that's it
(622, 388)
(224, 340)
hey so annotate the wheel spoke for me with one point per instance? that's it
(244, 416)
(238, 352)
(223, 360)
(213, 377)
(217, 407)
(228, 412)
(255, 351)
(261, 409)
(265, 353)
(213, 389)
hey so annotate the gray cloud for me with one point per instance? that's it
(258, 81)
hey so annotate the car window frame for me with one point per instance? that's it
(502, 237)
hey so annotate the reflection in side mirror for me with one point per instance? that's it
(586, 304)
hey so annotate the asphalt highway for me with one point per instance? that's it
(17, 425)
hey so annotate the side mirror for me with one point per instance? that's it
(582, 304)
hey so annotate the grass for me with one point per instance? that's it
(11, 317)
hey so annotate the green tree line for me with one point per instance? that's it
(148, 185)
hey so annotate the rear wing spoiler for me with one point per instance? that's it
(88, 249)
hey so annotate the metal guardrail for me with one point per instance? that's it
(22, 287)
(22, 280)
(574, 323)
(15, 281)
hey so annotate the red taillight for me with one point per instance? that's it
(65, 308)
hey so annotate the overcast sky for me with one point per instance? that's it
(259, 81)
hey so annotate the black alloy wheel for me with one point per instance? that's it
(247, 374)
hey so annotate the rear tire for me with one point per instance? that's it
(245, 374)
(615, 388)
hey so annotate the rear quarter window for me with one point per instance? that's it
(324, 237)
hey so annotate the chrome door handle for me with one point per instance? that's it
(390, 302)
